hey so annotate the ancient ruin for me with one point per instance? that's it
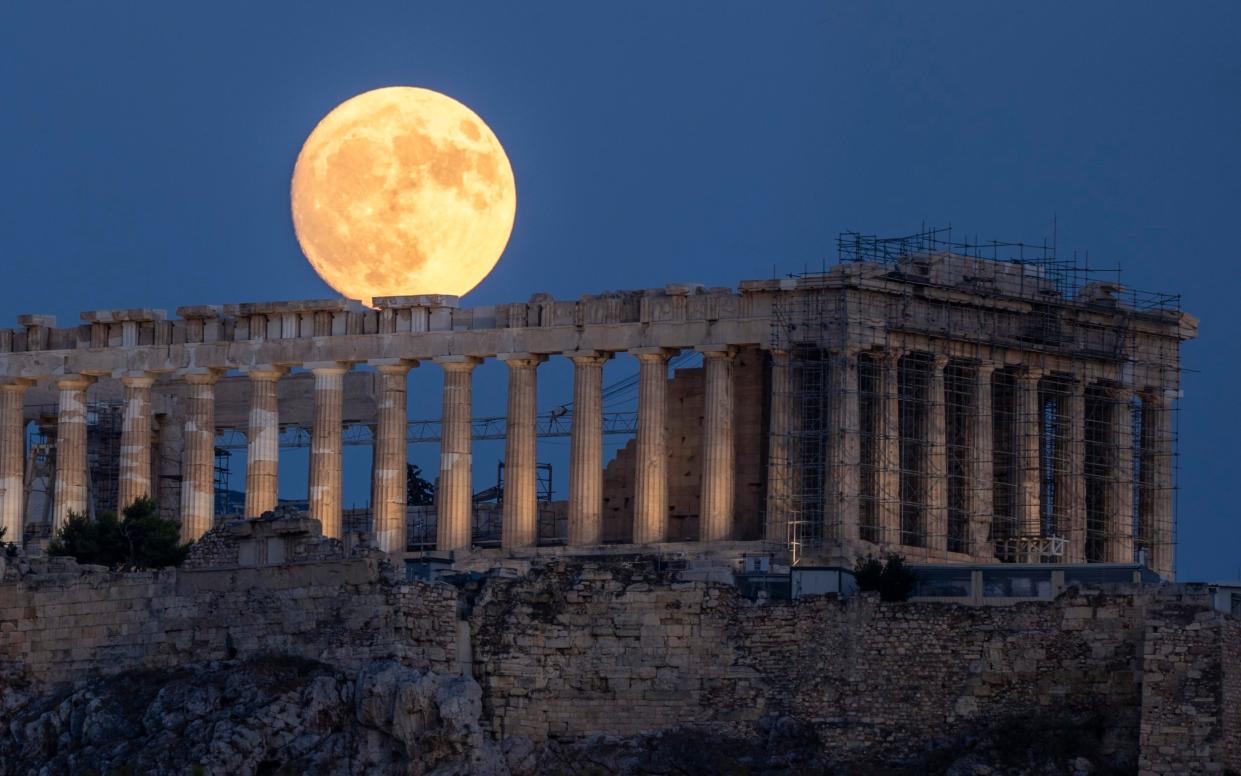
(954, 403)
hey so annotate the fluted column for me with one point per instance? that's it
(519, 517)
(1071, 479)
(455, 498)
(716, 504)
(263, 437)
(844, 446)
(586, 449)
(135, 462)
(1120, 483)
(650, 496)
(325, 447)
(779, 464)
(1028, 431)
(198, 462)
(936, 451)
(71, 472)
(888, 493)
(1155, 508)
(388, 500)
(981, 480)
(12, 460)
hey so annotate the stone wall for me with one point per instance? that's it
(613, 646)
(62, 627)
(1190, 690)
(579, 650)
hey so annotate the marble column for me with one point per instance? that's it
(455, 497)
(263, 442)
(198, 461)
(71, 473)
(135, 459)
(716, 519)
(981, 479)
(391, 454)
(936, 451)
(779, 455)
(586, 449)
(12, 460)
(650, 491)
(1028, 433)
(1070, 502)
(1155, 507)
(843, 486)
(325, 447)
(888, 442)
(1120, 482)
(520, 513)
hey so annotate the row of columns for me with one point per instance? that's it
(843, 490)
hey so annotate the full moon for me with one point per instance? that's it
(402, 191)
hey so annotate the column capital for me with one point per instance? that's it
(458, 363)
(328, 367)
(393, 366)
(725, 353)
(588, 357)
(847, 351)
(137, 379)
(74, 382)
(1160, 397)
(15, 384)
(939, 361)
(199, 376)
(986, 368)
(521, 360)
(1118, 391)
(1032, 373)
(653, 355)
(890, 355)
(266, 372)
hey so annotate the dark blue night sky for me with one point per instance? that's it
(146, 150)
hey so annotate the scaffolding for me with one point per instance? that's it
(896, 423)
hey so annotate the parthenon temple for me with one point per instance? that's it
(933, 399)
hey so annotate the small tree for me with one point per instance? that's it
(893, 579)
(418, 492)
(141, 540)
(8, 548)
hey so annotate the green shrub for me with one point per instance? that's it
(893, 578)
(141, 540)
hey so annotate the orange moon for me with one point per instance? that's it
(402, 191)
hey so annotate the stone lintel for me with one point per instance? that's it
(132, 315)
(683, 289)
(293, 306)
(200, 311)
(417, 300)
(26, 320)
(753, 286)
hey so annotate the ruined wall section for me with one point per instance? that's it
(1230, 751)
(578, 650)
(684, 435)
(64, 626)
(1183, 710)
